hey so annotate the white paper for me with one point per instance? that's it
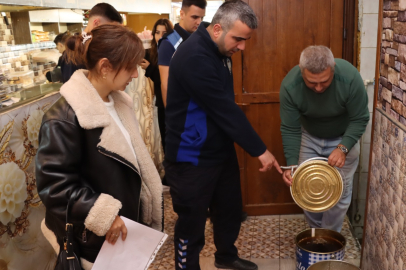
(137, 252)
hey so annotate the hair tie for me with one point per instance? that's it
(86, 37)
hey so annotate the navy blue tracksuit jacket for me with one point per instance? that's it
(202, 119)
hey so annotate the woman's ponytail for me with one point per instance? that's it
(76, 48)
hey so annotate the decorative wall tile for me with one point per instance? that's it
(385, 233)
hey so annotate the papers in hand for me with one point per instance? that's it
(137, 251)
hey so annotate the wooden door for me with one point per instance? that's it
(286, 27)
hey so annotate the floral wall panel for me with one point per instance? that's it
(22, 245)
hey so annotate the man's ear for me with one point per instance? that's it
(96, 22)
(217, 30)
(182, 14)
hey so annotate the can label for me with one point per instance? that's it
(302, 259)
(305, 259)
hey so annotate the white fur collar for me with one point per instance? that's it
(92, 113)
(78, 91)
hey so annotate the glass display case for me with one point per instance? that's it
(26, 95)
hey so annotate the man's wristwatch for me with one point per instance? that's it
(343, 149)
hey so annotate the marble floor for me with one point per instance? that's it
(266, 240)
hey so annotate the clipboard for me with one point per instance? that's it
(137, 252)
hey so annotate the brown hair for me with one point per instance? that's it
(154, 43)
(117, 43)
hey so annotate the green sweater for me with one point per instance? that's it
(341, 110)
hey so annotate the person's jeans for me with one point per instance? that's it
(312, 146)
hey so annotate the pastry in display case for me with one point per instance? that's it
(39, 36)
(20, 79)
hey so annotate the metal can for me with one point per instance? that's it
(315, 245)
(316, 186)
(333, 265)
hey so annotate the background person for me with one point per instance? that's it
(203, 122)
(191, 15)
(324, 112)
(101, 13)
(90, 148)
(60, 41)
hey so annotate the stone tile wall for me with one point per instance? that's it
(392, 83)
(385, 231)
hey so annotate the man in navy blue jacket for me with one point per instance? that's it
(203, 122)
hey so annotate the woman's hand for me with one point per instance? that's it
(118, 227)
(144, 64)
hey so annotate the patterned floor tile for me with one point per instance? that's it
(260, 238)
(265, 239)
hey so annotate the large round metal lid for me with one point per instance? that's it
(316, 186)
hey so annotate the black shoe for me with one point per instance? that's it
(244, 216)
(239, 264)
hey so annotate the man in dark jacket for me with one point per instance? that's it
(203, 122)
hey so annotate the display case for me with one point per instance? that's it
(20, 79)
(19, 98)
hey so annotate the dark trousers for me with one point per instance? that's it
(162, 130)
(161, 124)
(194, 190)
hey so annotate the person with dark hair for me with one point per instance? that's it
(150, 64)
(191, 15)
(203, 123)
(90, 151)
(100, 14)
(60, 41)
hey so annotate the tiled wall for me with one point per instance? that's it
(368, 30)
(392, 83)
(385, 232)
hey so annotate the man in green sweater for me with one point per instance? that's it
(324, 112)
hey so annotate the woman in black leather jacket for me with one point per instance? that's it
(90, 148)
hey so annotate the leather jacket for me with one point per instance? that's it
(83, 154)
(69, 160)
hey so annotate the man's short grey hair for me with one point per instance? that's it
(231, 11)
(316, 59)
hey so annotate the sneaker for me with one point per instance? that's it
(239, 264)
